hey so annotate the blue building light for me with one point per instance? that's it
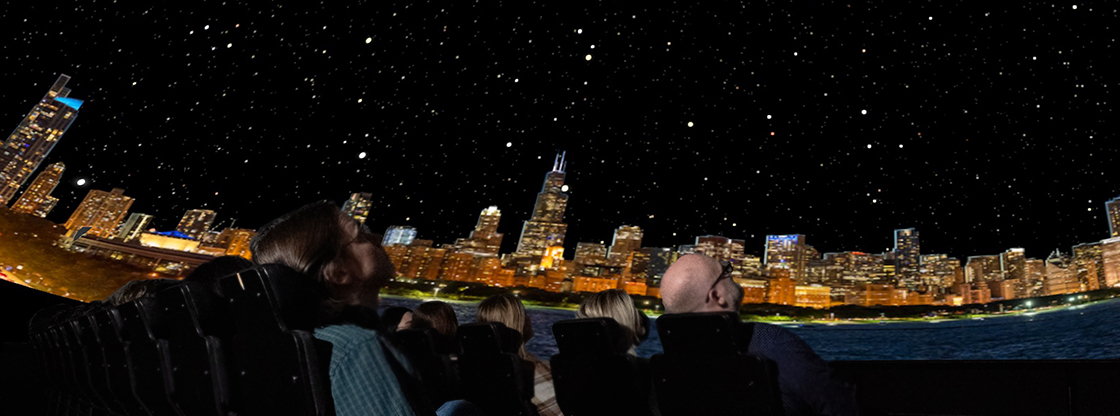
(71, 102)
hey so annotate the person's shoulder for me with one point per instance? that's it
(343, 335)
(767, 336)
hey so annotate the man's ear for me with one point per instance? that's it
(719, 298)
(336, 275)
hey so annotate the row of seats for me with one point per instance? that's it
(189, 351)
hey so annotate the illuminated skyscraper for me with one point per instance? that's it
(1113, 209)
(135, 226)
(37, 199)
(101, 211)
(196, 223)
(546, 227)
(35, 136)
(485, 239)
(983, 269)
(714, 246)
(1088, 262)
(660, 258)
(786, 252)
(907, 253)
(399, 235)
(1110, 254)
(627, 238)
(357, 207)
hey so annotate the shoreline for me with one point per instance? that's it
(795, 322)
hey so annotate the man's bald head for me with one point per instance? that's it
(685, 286)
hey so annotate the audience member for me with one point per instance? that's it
(698, 283)
(368, 373)
(394, 316)
(212, 272)
(137, 289)
(508, 310)
(615, 304)
(439, 317)
(406, 321)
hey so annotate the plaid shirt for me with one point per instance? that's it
(544, 395)
(362, 380)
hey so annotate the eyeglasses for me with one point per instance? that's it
(725, 273)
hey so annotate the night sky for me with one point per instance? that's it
(983, 126)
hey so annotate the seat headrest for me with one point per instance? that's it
(488, 338)
(293, 296)
(590, 336)
(699, 333)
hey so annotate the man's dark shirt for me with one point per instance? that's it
(803, 377)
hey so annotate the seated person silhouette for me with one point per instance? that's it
(395, 318)
(615, 304)
(368, 374)
(439, 317)
(698, 283)
(508, 310)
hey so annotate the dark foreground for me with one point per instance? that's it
(933, 387)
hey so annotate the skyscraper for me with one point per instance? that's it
(101, 211)
(907, 252)
(357, 207)
(627, 238)
(37, 199)
(399, 235)
(546, 227)
(135, 225)
(1088, 262)
(196, 223)
(485, 239)
(35, 136)
(1113, 209)
(785, 252)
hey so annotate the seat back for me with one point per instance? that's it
(81, 364)
(279, 369)
(117, 362)
(198, 359)
(90, 340)
(150, 356)
(705, 368)
(491, 374)
(437, 371)
(593, 374)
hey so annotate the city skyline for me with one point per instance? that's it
(737, 119)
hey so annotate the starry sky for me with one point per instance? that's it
(983, 126)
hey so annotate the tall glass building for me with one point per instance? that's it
(35, 136)
(399, 235)
(1113, 209)
(37, 199)
(546, 228)
(786, 252)
(101, 211)
(357, 207)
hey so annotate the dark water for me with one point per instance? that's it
(1084, 332)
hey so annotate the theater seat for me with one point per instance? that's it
(437, 371)
(192, 315)
(593, 374)
(490, 372)
(151, 361)
(119, 365)
(280, 367)
(705, 368)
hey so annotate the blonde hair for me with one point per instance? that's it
(508, 310)
(615, 304)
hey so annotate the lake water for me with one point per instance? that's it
(1083, 332)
